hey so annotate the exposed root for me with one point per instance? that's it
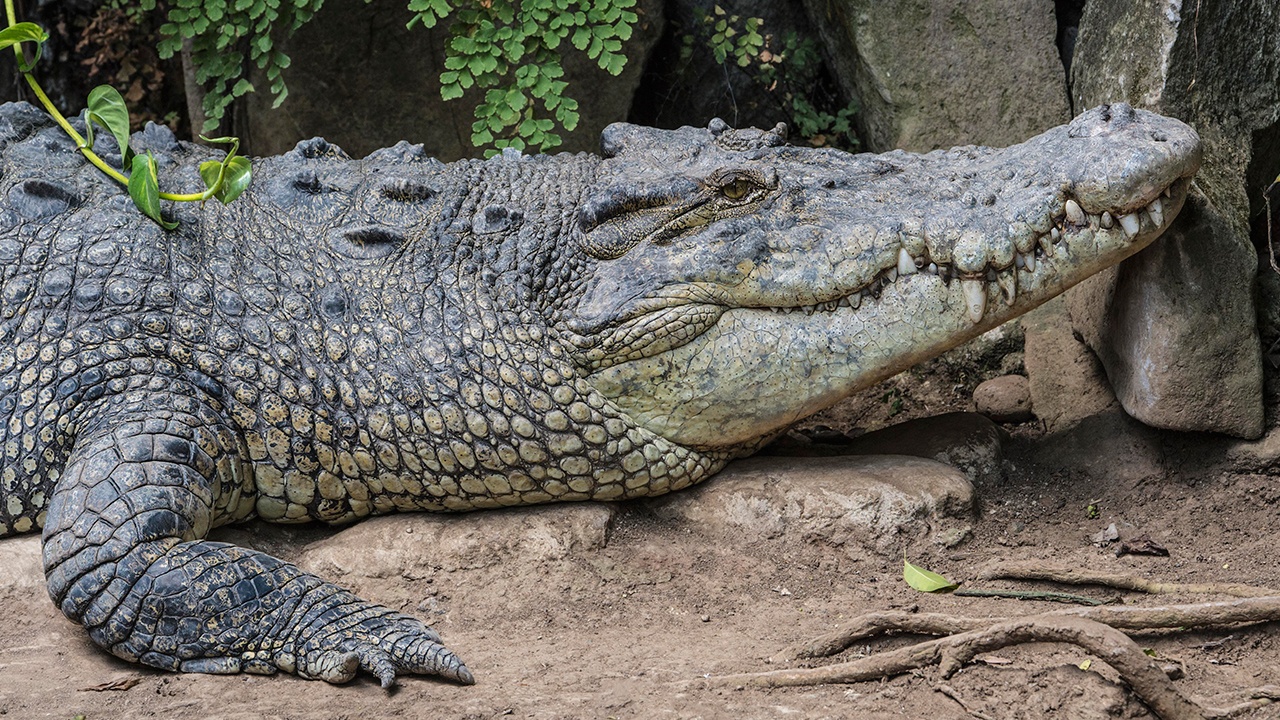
(1097, 630)
(1142, 674)
(1075, 576)
(1260, 609)
(1042, 595)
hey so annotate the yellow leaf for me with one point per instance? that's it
(925, 580)
(1086, 664)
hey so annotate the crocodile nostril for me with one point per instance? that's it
(1159, 136)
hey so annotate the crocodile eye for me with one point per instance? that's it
(736, 189)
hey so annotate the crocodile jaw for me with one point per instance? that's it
(758, 370)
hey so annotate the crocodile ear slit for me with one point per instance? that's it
(369, 242)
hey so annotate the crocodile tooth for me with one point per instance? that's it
(855, 300)
(1156, 211)
(892, 274)
(1055, 235)
(975, 299)
(843, 302)
(1108, 222)
(1046, 244)
(809, 309)
(1130, 224)
(933, 268)
(829, 306)
(1018, 262)
(1075, 214)
(1030, 261)
(1008, 282)
(906, 265)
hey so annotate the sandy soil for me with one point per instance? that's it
(619, 612)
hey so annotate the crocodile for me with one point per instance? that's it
(358, 337)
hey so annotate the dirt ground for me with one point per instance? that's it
(622, 611)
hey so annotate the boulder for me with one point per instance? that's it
(1065, 379)
(966, 441)
(1176, 326)
(861, 504)
(362, 80)
(936, 73)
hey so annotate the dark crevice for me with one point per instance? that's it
(1068, 14)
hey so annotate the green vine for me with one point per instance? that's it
(788, 68)
(224, 179)
(510, 49)
(224, 36)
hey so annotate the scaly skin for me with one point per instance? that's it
(361, 337)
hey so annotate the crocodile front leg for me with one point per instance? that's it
(124, 555)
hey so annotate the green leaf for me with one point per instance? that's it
(107, 108)
(925, 580)
(144, 188)
(24, 32)
(235, 174)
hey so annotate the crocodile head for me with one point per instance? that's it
(732, 284)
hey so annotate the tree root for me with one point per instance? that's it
(1097, 630)
(1074, 576)
(1140, 672)
(1248, 610)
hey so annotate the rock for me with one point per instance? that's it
(362, 80)
(862, 504)
(1109, 446)
(419, 545)
(1006, 399)
(1066, 381)
(1255, 456)
(1175, 326)
(936, 73)
(967, 441)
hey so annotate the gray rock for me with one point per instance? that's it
(937, 73)
(1065, 379)
(862, 504)
(1006, 399)
(1176, 325)
(967, 441)
(1110, 446)
(1174, 328)
(363, 81)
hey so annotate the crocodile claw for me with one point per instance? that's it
(422, 657)
(383, 647)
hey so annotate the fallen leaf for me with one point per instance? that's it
(1086, 664)
(925, 580)
(120, 684)
(1141, 545)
